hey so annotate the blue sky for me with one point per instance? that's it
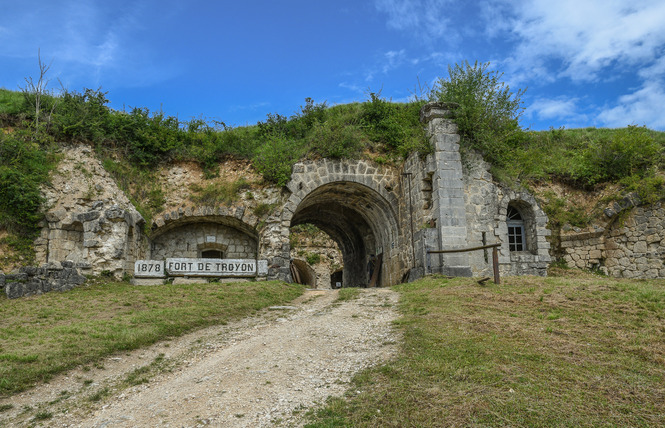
(584, 62)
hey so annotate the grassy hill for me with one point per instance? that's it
(132, 143)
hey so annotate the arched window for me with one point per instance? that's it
(516, 241)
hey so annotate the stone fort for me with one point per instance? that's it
(384, 216)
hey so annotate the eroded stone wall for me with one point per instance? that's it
(90, 221)
(631, 245)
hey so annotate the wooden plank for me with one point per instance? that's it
(463, 250)
(377, 269)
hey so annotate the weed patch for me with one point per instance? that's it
(348, 293)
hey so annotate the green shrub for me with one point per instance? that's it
(262, 209)
(395, 126)
(629, 151)
(560, 212)
(650, 188)
(24, 167)
(220, 192)
(313, 258)
(329, 140)
(11, 102)
(82, 116)
(488, 113)
(276, 157)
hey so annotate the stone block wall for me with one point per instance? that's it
(191, 239)
(418, 220)
(32, 280)
(584, 250)
(631, 245)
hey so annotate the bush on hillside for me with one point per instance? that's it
(488, 113)
(24, 166)
(629, 151)
(276, 157)
(396, 126)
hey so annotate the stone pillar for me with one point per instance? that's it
(447, 190)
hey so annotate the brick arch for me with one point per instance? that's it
(307, 176)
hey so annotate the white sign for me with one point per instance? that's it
(149, 269)
(211, 267)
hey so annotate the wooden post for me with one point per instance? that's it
(495, 265)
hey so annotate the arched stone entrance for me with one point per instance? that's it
(355, 205)
(204, 237)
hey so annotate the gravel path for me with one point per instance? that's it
(262, 371)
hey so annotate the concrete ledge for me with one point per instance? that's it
(147, 281)
(183, 281)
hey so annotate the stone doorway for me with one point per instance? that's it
(359, 220)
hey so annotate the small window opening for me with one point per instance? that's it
(211, 254)
(515, 230)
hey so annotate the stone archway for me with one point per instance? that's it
(354, 203)
(201, 236)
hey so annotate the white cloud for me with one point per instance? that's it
(558, 108)
(655, 70)
(642, 107)
(393, 59)
(352, 87)
(585, 37)
(429, 19)
(87, 42)
(496, 16)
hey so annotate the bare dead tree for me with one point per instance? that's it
(34, 91)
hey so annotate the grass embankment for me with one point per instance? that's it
(44, 335)
(557, 351)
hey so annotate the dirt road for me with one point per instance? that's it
(262, 371)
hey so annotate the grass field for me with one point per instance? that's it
(573, 349)
(568, 350)
(44, 335)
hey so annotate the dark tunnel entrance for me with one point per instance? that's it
(358, 219)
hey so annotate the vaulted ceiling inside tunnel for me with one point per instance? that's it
(356, 217)
(345, 210)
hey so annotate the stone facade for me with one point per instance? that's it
(456, 205)
(630, 245)
(395, 215)
(193, 240)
